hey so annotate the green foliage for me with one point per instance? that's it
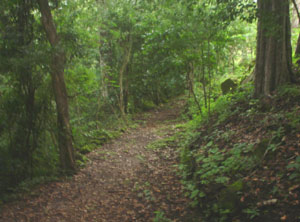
(160, 217)
(296, 166)
(173, 47)
(208, 168)
(214, 164)
(289, 91)
(144, 191)
(28, 148)
(225, 106)
(171, 42)
(211, 168)
(162, 143)
(294, 118)
(252, 212)
(26, 186)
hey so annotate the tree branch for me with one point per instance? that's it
(296, 8)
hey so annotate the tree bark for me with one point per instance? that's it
(274, 51)
(57, 66)
(126, 60)
(297, 51)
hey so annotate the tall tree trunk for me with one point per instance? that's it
(58, 83)
(127, 55)
(102, 63)
(274, 52)
(25, 146)
(296, 10)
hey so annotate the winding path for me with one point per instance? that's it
(122, 182)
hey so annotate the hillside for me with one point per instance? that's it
(243, 163)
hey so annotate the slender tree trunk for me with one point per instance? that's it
(273, 55)
(203, 78)
(190, 79)
(297, 51)
(58, 83)
(31, 142)
(102, 63)
(102, 68)
(127, 55)
(126, 90)
(209, 76)
(27, 142)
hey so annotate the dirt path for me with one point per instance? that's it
(123, 182)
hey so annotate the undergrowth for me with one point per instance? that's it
(232, 158)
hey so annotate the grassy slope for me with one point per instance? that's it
(244, 163)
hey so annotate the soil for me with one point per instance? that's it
(122, 181)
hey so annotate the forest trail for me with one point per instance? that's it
(124, 181)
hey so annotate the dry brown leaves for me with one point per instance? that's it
(123, 181)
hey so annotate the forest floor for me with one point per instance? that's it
(124, 180)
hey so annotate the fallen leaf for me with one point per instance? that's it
(283, 218)
(294, 187)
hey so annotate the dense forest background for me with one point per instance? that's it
(74, 73)
(121, 57)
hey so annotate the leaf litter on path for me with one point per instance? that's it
(123, 181)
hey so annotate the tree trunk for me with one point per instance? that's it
(127, 55)
(126, 90)
(297, 50)
(102, 63)
(202, 79)
(190, 79)
(65, 142)
(296, 11)
(274, 52)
